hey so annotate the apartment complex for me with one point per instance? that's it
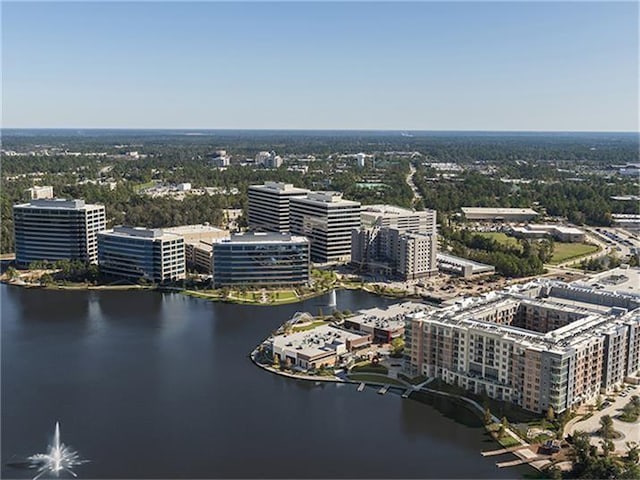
(57, 229)
(327, 220)
(537, 345)
(260, 259)
(135, 253)
(269, 206)
(396, 241)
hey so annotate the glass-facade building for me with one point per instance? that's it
(135, 253)
(260, 259)
(57, 229)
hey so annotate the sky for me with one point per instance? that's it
(539, 66)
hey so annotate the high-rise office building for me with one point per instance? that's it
(260, 259)
(396, 241)
(269, 206)
(57, 229)
(327, 220)
(135, 253)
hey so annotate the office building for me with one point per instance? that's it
(57, 229)
(327, 220)
(260, 259)
(40, 192)
(141, 253)
(268, 159)
(396, 241)
(269, 206)
(561, 233)
(540, 345)
(482, 214)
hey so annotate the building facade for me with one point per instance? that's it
(540, 345)
(260, 259)
(269, 206)
(57, 229)
(140, 253)
(396, 241)
(327, 220)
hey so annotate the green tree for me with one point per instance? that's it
(487, 416)
(551, 415)
(606, 427)
(397, 347)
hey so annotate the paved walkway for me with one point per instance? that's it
(630, 431)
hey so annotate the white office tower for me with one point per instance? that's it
(360, 159)
(269, 206)
(57, 229)
(151, 254)
(268, 159)
(327, 220)
(39, 192)
(396, 241)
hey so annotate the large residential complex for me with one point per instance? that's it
(540, 345)
(326, 219)
(57, 229)
(260, 259)
(269, 205)
(396, 241)
(140, 253)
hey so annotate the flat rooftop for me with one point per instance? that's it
(140, 232)
(624, 280)
(499, 211)
(279, 187)
(388, 318)
(390, 210)
(58, 203)
(263, 237)
(320, 340)
(191, 229)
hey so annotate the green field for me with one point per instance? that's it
(566, 251)
(501, 238)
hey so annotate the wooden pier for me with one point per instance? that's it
(383, 390)
(361, 387)
(407, 393)
(502, 451)
(521, 461)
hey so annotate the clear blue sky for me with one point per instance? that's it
(331, 65)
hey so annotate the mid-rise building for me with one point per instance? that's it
(39, 192)
(57, 229)
(540, 345)
(260, 259)
(141, 253)
(490, 214)
(327, 220)
(396, 241)
(268, 159)
(269, 206)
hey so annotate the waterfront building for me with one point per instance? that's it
(269, 206)
(327, 220)
(540, 345)
(198, 240)
(133, 252)
(396, 241)
(57, 229)
(321, 347)
(260, 259)
(482, 214)
(382, 324)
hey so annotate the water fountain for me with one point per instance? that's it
(59, 458)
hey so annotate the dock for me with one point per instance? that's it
(383, 390)
(407, 393)
(521, 461)
(361, 387)
(502, 451)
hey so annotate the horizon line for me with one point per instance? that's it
(320, 129)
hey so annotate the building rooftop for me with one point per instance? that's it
(191, 229)
(322, 339)
(499, 211)
(263, 237)
(58, 203)
(279, 187)
(390, 210)
(391, 317)
(141, 232)
(333, 198)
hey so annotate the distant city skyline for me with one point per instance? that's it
(415, 66)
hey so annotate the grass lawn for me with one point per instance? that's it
(373, 378)
(285, 295)
(370, 368)
(312, 325)
(566, 251)
(501, 238)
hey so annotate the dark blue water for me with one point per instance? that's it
(150, 385)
